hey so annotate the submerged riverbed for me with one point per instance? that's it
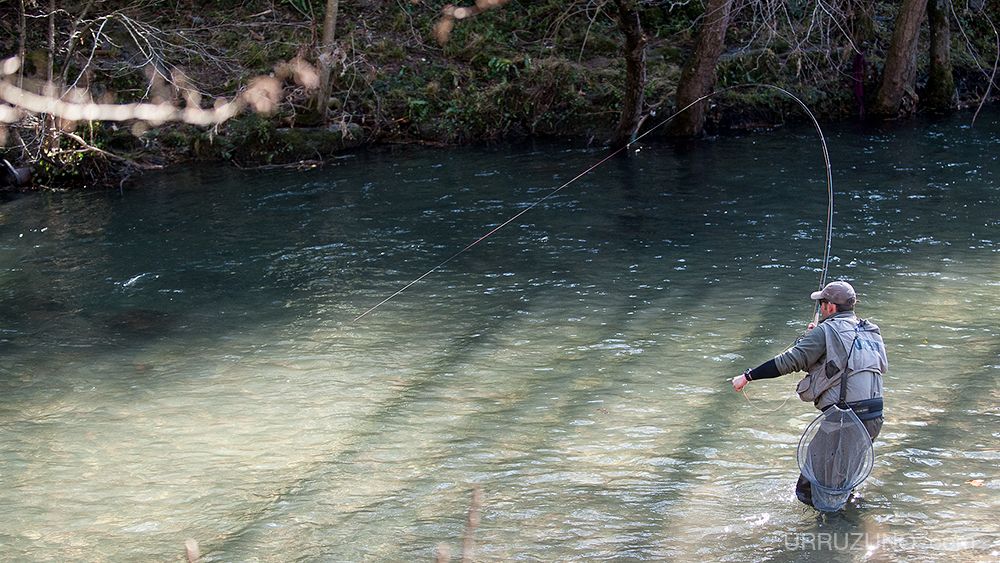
(179, 361)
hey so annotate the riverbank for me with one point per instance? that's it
(526, 70)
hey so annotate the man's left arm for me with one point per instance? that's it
(806, 351)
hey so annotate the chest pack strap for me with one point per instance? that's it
(843, 374)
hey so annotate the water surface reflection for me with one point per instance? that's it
(179, 362)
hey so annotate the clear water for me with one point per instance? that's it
(179, 361)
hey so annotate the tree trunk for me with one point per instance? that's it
(52, 41)
(901, 60)
(635, 72)
(22, 28)
(326, 57)
(698, 78)
(940, 93)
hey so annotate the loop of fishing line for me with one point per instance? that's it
(762, 411)
(828, 239)
(805, 108)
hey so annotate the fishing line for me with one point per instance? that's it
(616, 152)
(762, 411)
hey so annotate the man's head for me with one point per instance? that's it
(837, 297)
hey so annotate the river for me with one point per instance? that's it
(179, 361)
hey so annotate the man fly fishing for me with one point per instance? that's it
(840, 346)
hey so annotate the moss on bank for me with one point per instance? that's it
(253, 140)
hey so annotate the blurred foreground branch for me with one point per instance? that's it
(262, 95)
(443, 553)
(41, 118)
(451, 13)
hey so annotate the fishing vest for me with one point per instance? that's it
(854, 348)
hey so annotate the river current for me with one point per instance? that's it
(179, 361)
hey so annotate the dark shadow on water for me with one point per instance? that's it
(719, 413)
(429, 380)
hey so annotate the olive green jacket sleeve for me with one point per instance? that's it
(807, 351)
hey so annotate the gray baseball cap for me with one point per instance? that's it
(838, 292)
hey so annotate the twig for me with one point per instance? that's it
(262, 95)
(22, 30)
(52, 40)
(297, 165)
(87, 147)
(586, 35)
(191, 551)
(71, 42)
(471, 524)
(968, 42)
(986, 96)
(413, 27)
(90, 59)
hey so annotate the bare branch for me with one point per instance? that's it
(87, 147)
(262, 95)
(590, 25)
(992, 76)
(471, 524)
(97, 41)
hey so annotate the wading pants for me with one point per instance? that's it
(803, 488)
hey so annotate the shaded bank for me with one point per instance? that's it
(539, 69)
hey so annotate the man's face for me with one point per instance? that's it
(826, 309)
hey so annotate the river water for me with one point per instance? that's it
(179, 361)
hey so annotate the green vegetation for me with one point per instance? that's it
(526, 68)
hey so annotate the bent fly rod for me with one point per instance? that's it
(616, 152)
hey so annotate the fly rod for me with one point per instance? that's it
(829, 190)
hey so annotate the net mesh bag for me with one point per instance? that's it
(835, 454)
